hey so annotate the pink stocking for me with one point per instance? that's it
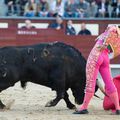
(114, 97)
(86, 101)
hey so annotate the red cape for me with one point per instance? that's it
(107, 103)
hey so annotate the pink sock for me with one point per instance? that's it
(86, 101)
(114, 97)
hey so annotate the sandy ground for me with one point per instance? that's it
(29, 105)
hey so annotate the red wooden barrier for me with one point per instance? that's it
(18, 37)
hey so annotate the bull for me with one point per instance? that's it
(56, 65)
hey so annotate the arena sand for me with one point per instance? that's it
(29, 105)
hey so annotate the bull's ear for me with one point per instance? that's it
(4, 61)
(30, 50)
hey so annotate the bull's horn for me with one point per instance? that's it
(101, 87)
(34, 59)
(4, 75)
(46, 52)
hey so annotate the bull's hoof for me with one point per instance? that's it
(50, 104)
(73, 107)
(2, 107)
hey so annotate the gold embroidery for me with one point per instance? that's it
(114, 41)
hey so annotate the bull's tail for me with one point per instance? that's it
(23, 84)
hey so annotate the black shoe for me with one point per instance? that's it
(117, 112)
(81, 112)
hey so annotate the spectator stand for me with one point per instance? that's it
(14, 35)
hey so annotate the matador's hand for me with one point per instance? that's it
(101, 47)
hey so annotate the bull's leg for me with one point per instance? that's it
(57, 77)
(2, 106)
(54, 102)
(69, 104)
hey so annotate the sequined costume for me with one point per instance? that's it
(98, 61)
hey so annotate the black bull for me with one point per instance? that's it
(55, 65)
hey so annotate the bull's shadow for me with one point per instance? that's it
(55, 65)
